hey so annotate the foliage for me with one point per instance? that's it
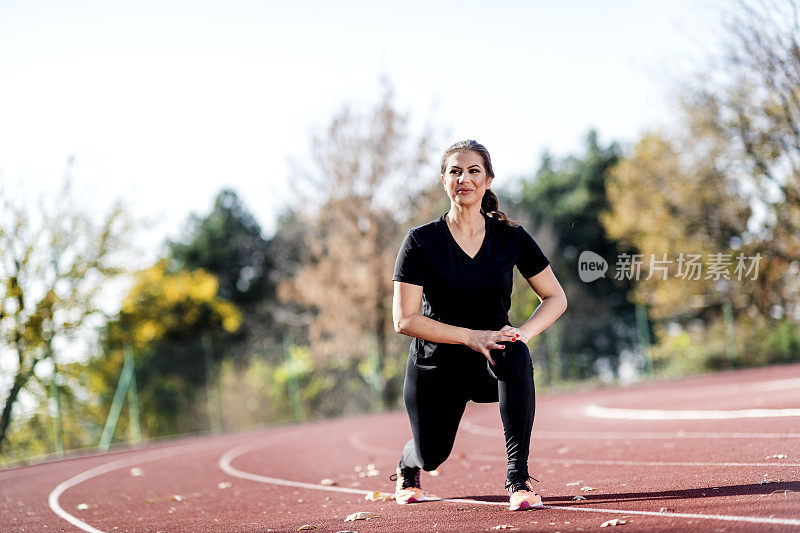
(166, 317)
(361, 187)
(561, 205)
(55, 258)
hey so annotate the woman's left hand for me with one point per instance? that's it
(514, 332)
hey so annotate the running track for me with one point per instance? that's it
(699, 454)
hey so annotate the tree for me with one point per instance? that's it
(164, 318)
(55, 258)
(364, 181)
(750, 96)
(564, 200)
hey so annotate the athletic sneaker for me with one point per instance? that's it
(521, 494)
(407, 489)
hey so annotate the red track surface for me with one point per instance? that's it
(690, 467)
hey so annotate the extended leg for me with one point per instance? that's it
(435, 400)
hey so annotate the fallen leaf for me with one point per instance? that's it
(504, 526)
(579, 497)
(81, 506)
(433, 473)
(362, 515)
(378, 496)
(372, 472)
(574, 483)
(149, 500)
(614, 522)
(485, 467)
(327, 482)
(778, 456)
(177, 497)
(563, 450)
(666, 510)
(136, 472)
(306, 527)
(587, 489)
(224, 485)
(460, 455)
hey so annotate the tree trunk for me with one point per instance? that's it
(5, 420)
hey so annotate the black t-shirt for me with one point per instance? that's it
(459, 290)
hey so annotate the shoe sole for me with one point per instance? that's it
(525, 506)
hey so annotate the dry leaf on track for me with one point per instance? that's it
(579, 497)
(327, 482)
(224, 485)
(778, 456)
(504, 526)
(136, 472)
(177, 497)
(378, 496)
(306, 527)
(361, 515)
(614, 522)
(587, 489)
(81, 507)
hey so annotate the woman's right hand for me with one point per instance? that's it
(482, 341)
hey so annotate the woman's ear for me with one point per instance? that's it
(489, 182)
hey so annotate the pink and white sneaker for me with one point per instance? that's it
(522, 496)
(407, 489)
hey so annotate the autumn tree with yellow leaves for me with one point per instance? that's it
(55, 259)
(163, 318)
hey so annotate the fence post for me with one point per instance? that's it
(643, 330)
(730, 333)
(212, 391)
(133, 399)
(291, 382)
(116, 406)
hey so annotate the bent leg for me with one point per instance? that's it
(514, 372)
(435, 401)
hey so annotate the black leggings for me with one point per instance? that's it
(436, 395)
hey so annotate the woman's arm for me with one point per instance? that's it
(554, 303)
(408, 321)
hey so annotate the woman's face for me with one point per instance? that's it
(465, 178)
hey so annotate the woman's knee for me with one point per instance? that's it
(511, 362)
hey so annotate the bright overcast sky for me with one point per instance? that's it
(164, 103)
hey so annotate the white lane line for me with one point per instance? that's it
(484, 431)
(230, 455)
(56, 493)
(357, 443)
(616, 413)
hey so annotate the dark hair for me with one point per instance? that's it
(489, 203)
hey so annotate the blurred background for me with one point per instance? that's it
(201, 202)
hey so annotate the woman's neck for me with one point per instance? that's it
(468, 220)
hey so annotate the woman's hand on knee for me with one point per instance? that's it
(483, 340)
(515, 332)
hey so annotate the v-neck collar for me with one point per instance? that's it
(486, 231)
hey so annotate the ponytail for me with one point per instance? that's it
(490, 206)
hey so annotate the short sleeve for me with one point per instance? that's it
(410, 264)
(531, 259)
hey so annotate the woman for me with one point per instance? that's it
(459, 267)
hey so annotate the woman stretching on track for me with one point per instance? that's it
(460, 267)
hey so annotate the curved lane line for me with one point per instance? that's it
(56, 493)
(357, 443)
(484, 431)
(230, 455)
(616, 413)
